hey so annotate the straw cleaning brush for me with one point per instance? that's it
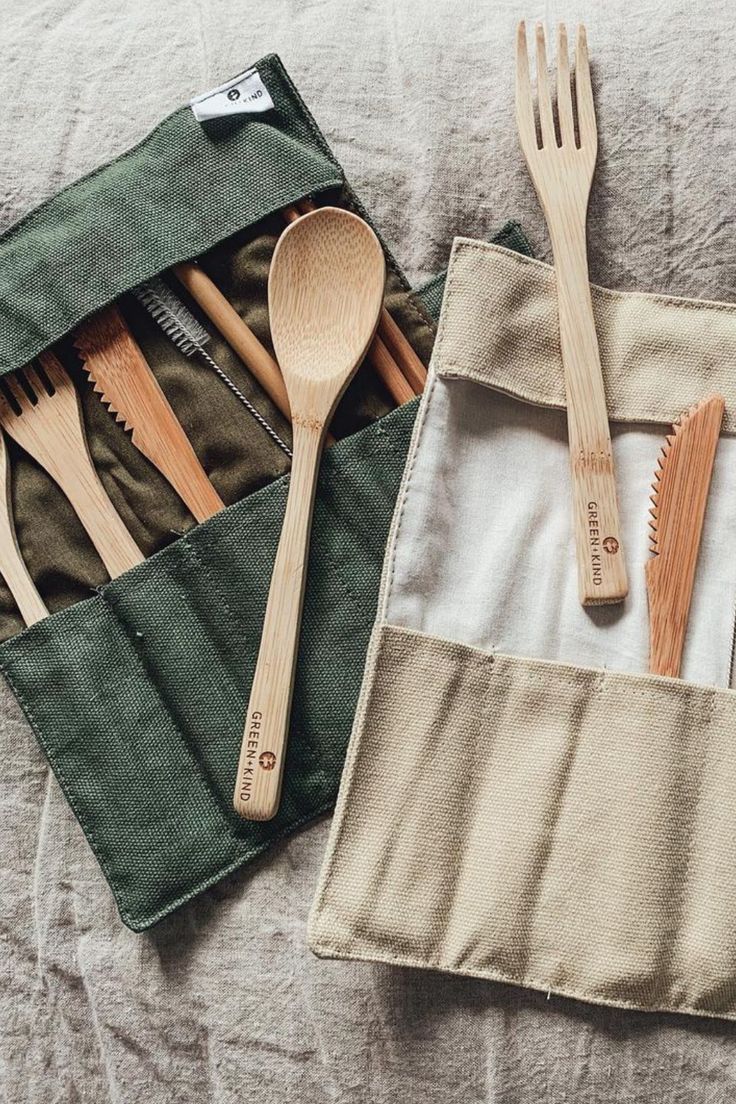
(179, 324)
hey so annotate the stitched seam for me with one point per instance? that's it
(213, 796)
(394, 537)
(426, 400)
(120, 895)
(453, 370)
(538, 984)
(308, 117)
(557, 665)
(272, 59)
(330, 858)
(684, 880)
(381, 438)
(294, 825)
(205, 567)
(602, 678)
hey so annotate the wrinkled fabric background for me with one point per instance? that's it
(223, 1001)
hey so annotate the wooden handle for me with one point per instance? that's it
(192, 484)
(12, 565)
(16, 575)
(261, 765)
(387, 370)
(402, 352)
(236, 332)
(179, 464)
(105, 528)
(666, 634)
(598, 541)
(680, 493)
(122, 376)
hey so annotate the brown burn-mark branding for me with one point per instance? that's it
(252, 739)
(594, 543)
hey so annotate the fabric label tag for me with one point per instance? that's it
(244, 93)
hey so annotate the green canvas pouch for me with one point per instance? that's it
(136, 688)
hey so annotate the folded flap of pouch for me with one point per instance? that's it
(554, 826)
(659, 353)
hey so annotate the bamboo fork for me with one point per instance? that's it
(390, 354)
(48, 425)
(12, 565)
(562, 175)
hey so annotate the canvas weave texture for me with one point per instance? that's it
(183, 188)
(658, 352)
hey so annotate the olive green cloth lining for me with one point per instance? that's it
(559, 827)
(236, 453)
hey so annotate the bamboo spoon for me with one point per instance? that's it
(122, 377)
(562, 176)
(390, 355)
(12, 565)
(392, 338)
(49, 427)
(325, 291)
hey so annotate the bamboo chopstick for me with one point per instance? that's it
(236, 332)
(389, 372)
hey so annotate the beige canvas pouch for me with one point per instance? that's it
(521, 801)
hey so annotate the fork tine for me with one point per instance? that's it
(54, 370)
(524, 105)
(6, 410)
(16, 390)
(546, 118)
(564, 90)
(584, 91)
(35, 381)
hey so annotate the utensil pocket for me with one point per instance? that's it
(137, 695)
(521, 801)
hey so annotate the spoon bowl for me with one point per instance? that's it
(325, 292)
